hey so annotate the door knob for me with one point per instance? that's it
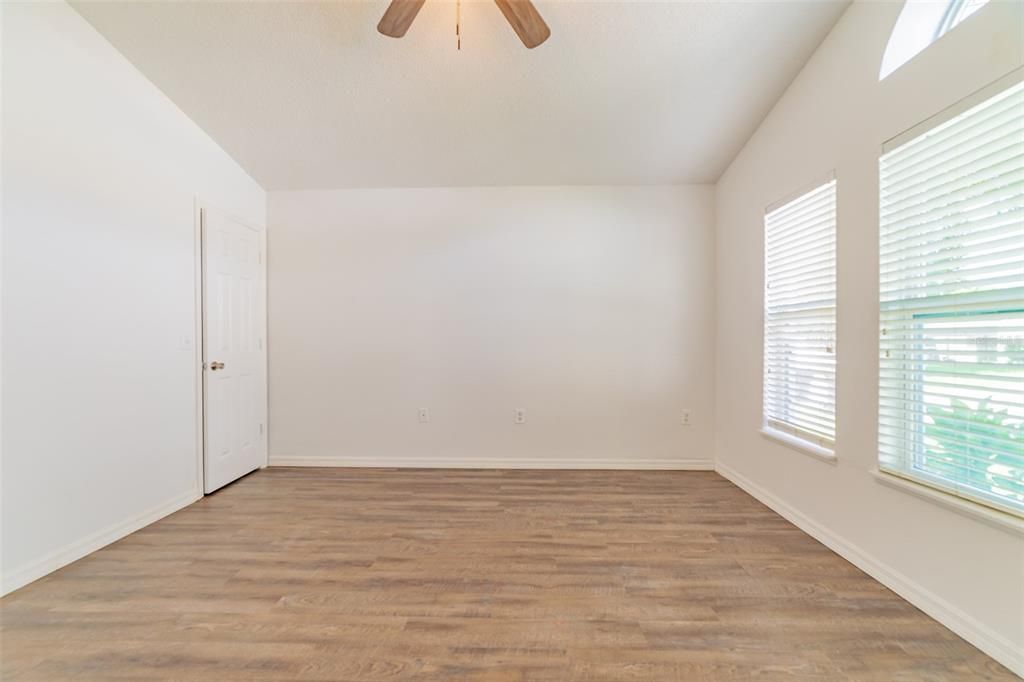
(216, 365)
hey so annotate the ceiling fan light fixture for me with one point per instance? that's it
(524, 18)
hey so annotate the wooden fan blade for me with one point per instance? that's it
(398, 17)
(526, 21)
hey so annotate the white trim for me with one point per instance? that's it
(265, 341)
(491, 463)
(966, 626)
(799, 444)
(74, 551)
(199, 344)
(974, 510)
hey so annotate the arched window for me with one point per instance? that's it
(920, 24)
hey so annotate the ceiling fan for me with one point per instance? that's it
(521, 14)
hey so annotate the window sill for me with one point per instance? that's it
(992, 517)
(800, 445)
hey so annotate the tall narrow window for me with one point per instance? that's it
(800, 317)
(951, 391)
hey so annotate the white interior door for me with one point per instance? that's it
(234, 370)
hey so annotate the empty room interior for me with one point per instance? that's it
(512, 341)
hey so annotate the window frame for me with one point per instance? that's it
(911, 478)
(953, 15)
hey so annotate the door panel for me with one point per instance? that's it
(234, 368)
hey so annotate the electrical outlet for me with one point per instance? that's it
(685, 418)
(424, 415)
(520, 416)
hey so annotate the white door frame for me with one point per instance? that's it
(201, 206)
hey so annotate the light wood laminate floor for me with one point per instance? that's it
(374, 574)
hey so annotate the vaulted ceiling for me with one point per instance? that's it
(308, 95)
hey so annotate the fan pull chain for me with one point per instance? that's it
(458, 24)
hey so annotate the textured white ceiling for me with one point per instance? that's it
(308, 95)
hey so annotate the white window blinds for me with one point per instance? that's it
(800, 316)
(951, 381)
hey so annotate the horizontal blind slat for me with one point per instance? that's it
(937, 141)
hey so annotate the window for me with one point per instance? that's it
(800, 317)
(951, 381)
(921, 23)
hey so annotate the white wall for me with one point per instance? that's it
(835, 116)
(100, 176)
(590, 307)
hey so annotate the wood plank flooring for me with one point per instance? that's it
(359, 574)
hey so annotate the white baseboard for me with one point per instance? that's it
(980, 635)
(76, 550)
(489, 463)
